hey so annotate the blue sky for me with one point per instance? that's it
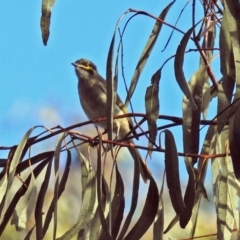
(38, 83)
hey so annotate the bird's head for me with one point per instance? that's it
(84, 68)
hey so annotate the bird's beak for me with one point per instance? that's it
(74, 64)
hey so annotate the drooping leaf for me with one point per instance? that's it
(225, 219)
(46, 19)
(94, 225)
(57, 153)
(178, 68)
(100, 191)
(172, 173)
(20, 192)
(86, 210)
(159, 220)
(3, 186)
(28, 236)
(40, 201)
(86, 167)
(234, 142)
(103, 210)
(231, 12)
(33, 160)
(61, 188)
(202, 168)
(117, 205)
(200, 89)
(189, 196)
(12, 170)
(233, 188)
(171, 224)
(225, 89)
(134, 200)
(111, 91)
(207, 97)
(204, 85)
(152, 108)
(191, 117)
(148, 214)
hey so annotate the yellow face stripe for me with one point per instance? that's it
(86, 67)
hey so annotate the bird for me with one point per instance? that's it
(92, 90)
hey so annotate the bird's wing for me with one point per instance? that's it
(119, 103)
(101, 83)
(122, 106)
